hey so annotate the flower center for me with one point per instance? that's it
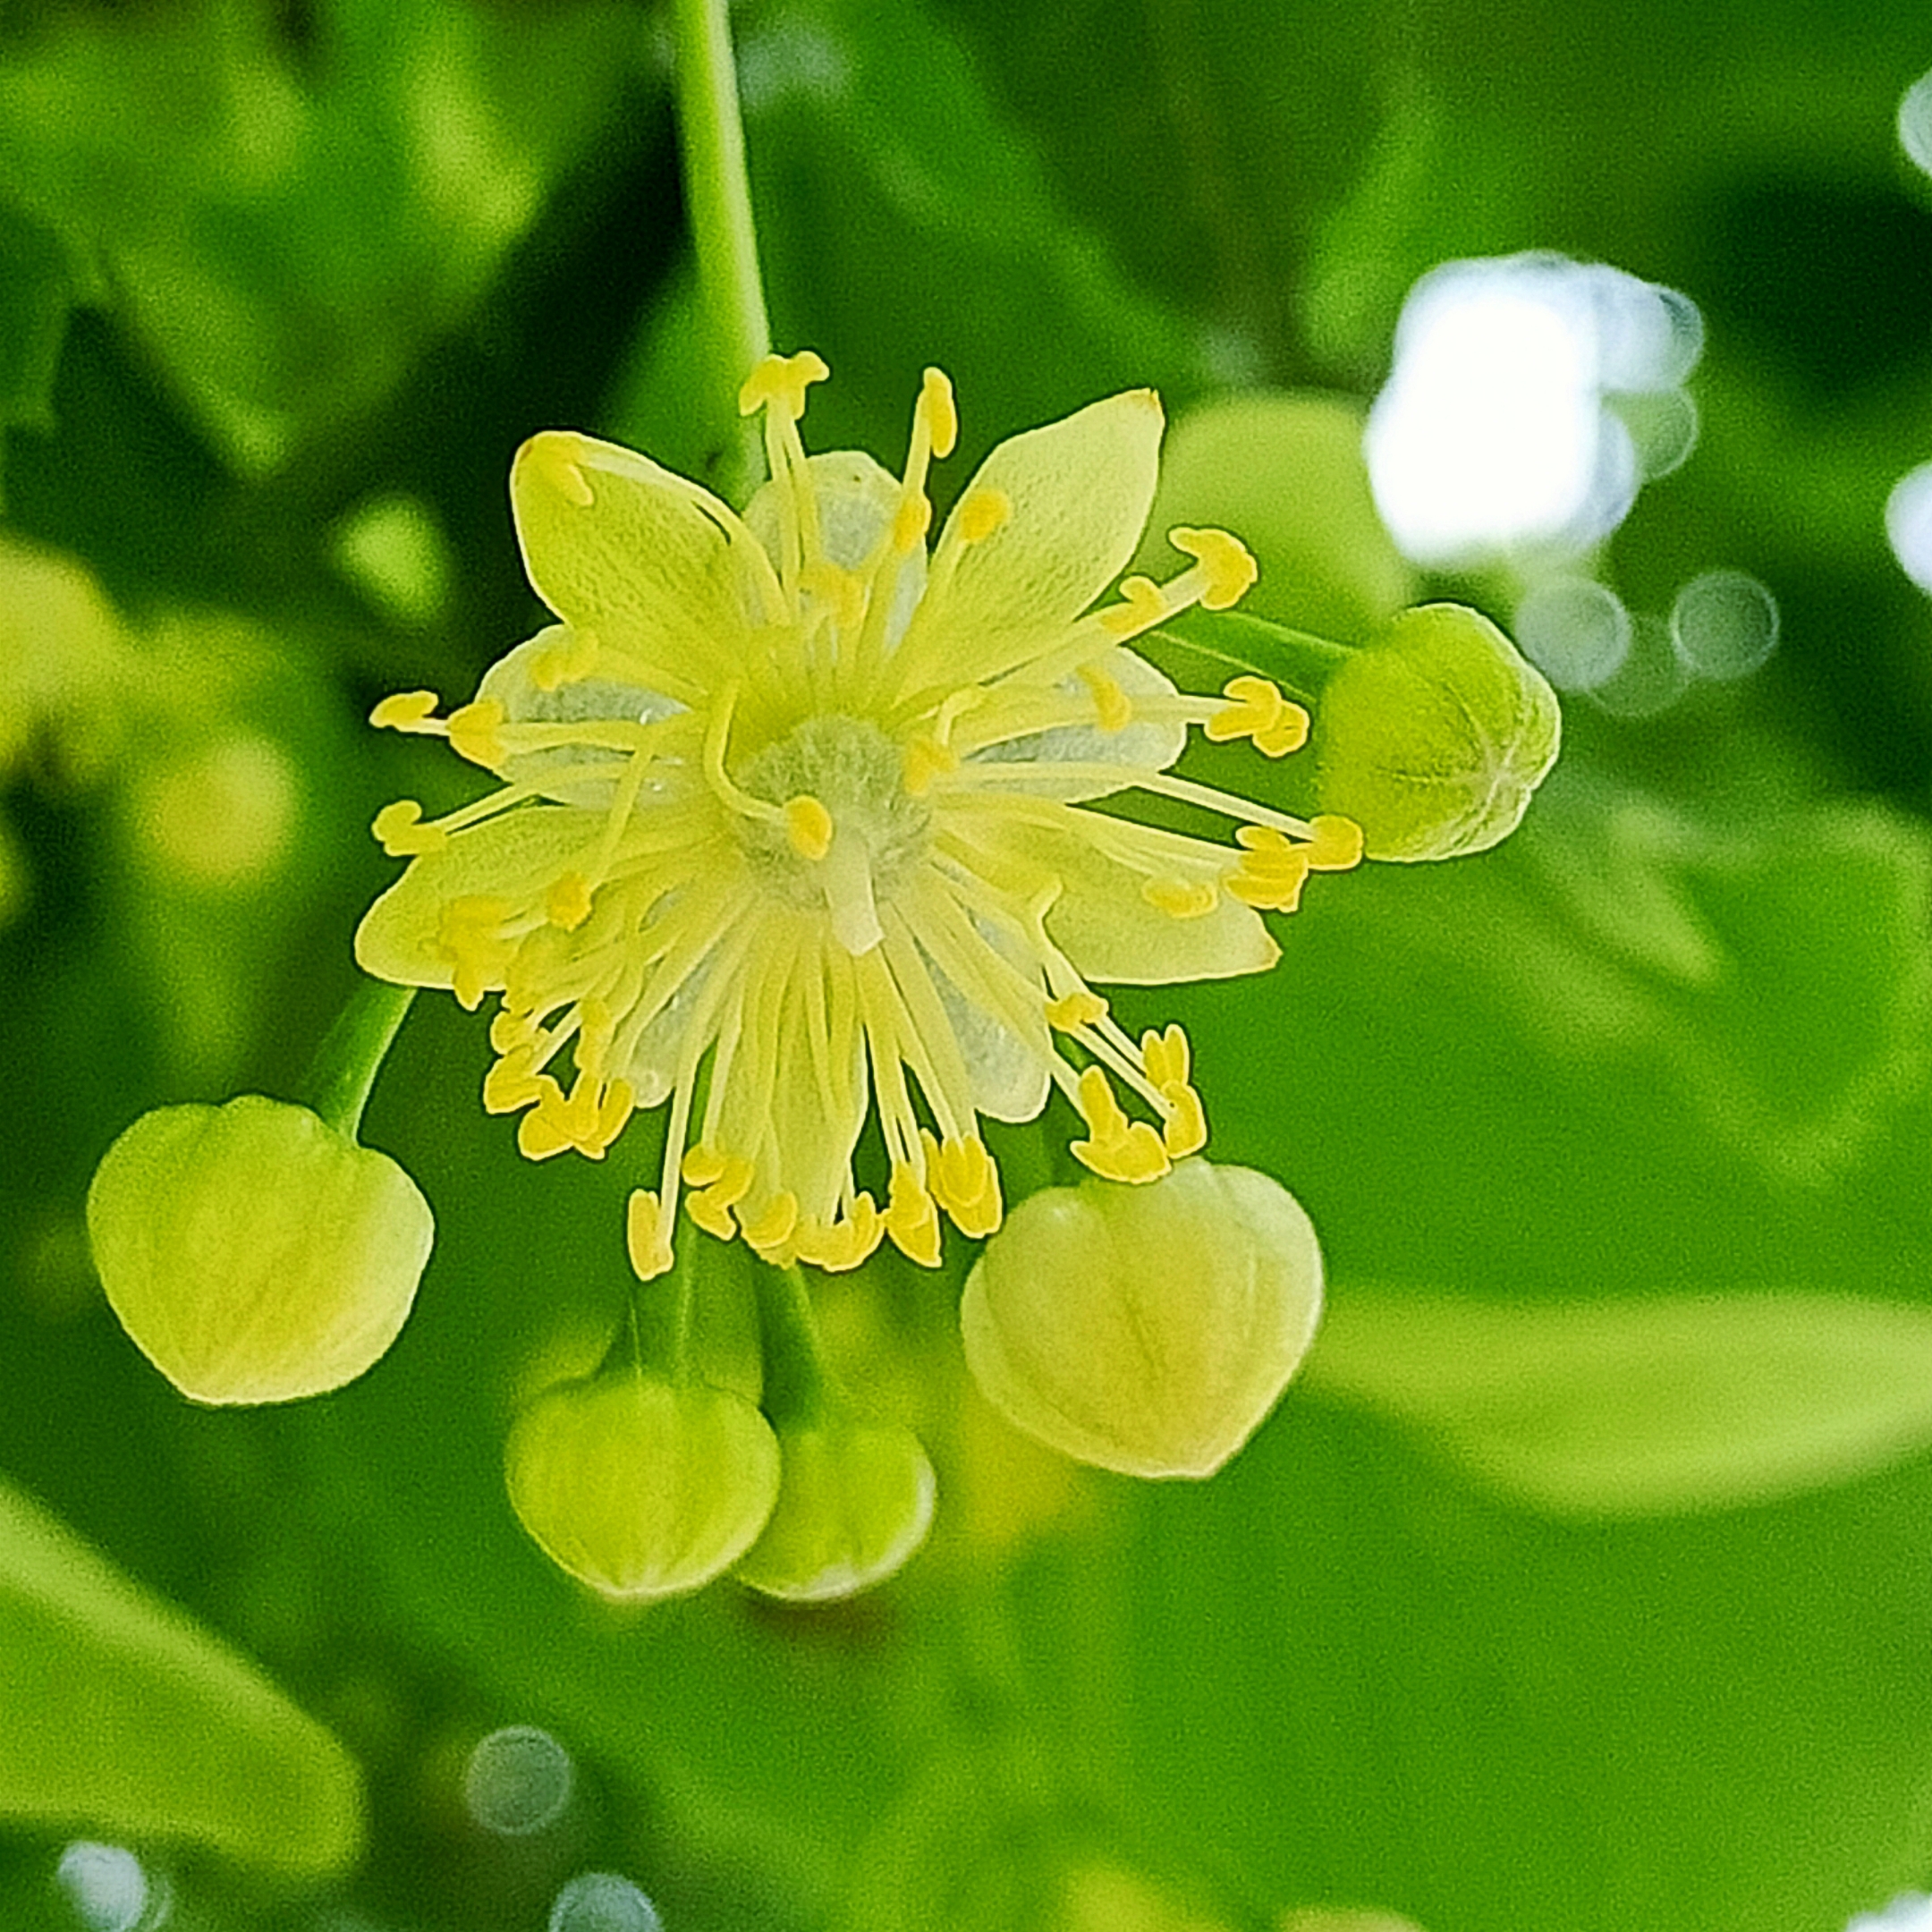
(851, 831)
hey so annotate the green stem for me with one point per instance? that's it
(799, 1385)
(718, 196)
(337, 1083)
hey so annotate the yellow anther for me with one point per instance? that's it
(567, 903)
(556, 455)
(469, 935)
(1082, 1008)
(808, 825)
(1185, 1131)
(910, 1218)
(1224, 561)
(1142, 607)
(513, 1027)
(711, 1208)
(839, 589)
(1165, 1057)
(1098, 1106)
(473, 729)
(1180, 899)
(701, 1165)
(779, 383)
(572, 657)
(597, 1029)
(911, 522)
(941, 411)
(981, 512)
(644, 1237)
(1272, 870)
(1110, 701)
(1288, 733)
(965, 1182)
(404, 710)
(403, 834)
(847, 1242)
(1335, 843)
(926, 758)
(768, 1233)
(513, 1082)
(547, 1128)
(1257, 706)
(614, 1111)
(1117, 1149)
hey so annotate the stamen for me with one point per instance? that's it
(847, 1242)
(1335, 843)
(645, 1236)
(808, 827)
(769, 1232)
(404, 710)
(473, 733)
(1118, 1149)
(1142, 607)
(1110, 701)
(911, 522)
(1075, 1010)
(779, 384)
(1185, 1131)
(1165, 1057)
(965, 1180)
(1225, 561)
(721, 1181)
(567, 903)
(513, 1082)
(1272, 871)
(403, 834)
(926, 758)
(942, 412)
(911, 1217)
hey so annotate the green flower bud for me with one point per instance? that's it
(640, 1486)
(854, 1501)
(1433, 737)
(254, 1252)
(1149, 1329)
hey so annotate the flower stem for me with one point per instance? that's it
(799, 1385)
(718, 196)
(337, 1083)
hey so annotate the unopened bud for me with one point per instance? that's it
(855, 1500)
(640, 1486)
(1147, 1329)
(254, 1252)
(1433, 737)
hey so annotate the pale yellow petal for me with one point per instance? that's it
(514, 858)
(617, 545)
(1080, 491)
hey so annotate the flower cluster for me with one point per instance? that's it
(800, 821)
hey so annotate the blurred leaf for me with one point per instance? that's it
(1284, 472)
(289, 221)
(1620, 1408)
(121, 1713)
(40, 280)
(903, 222)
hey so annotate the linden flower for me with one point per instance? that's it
(796, 824)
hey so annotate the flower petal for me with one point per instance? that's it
(514, 858)
(1079, 490)
(654, 565)
(1145, 744)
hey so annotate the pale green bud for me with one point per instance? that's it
(254, 1252)
(640, 1486)
(1434, 736)
(1144, 1328)
(855, 1500)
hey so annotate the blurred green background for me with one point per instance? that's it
(1585, 1582)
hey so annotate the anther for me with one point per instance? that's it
(1083, 1007)
(571, 658)
(981, 512)
(808, 827)
(780, 382)
(1142, 607)
(1111, 703)
(1225, 561)
(567, 903)
(942, 412)
(404, 710)
(1335, 843)
(644, 1236)
(403, 834)
(473, 733)
(1180, 899)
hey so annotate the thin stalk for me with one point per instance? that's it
(340, 1077)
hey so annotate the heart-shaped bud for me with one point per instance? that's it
(254, 1253)
(854, 1501)
(1147, 1329)
(641, 1486)
(1434, 737)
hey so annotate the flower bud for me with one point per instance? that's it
(1149, 1329)
(640, 1486)
(1433, 737)
(855, 1499)
(254, 1252)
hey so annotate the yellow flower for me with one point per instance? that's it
(796, 824)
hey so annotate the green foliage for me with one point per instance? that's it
(1578, 1582)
